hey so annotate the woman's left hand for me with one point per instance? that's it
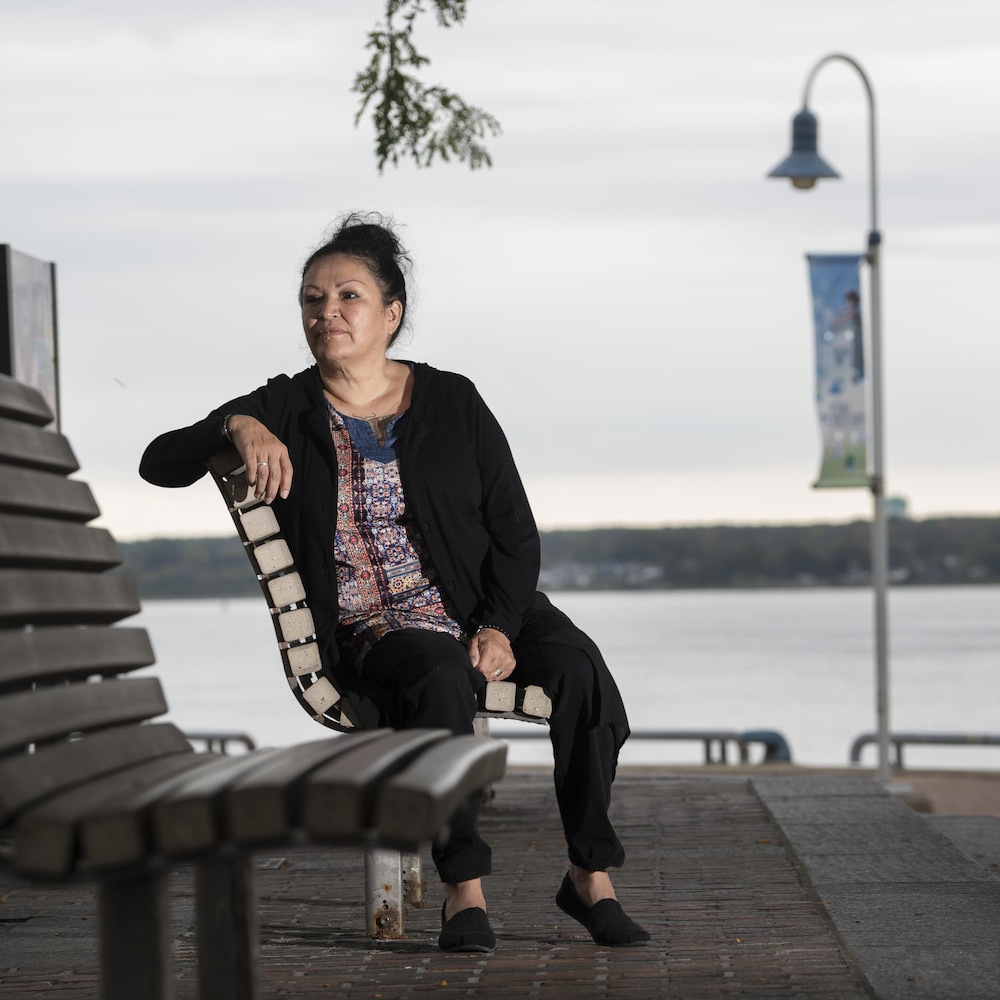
(491, 655)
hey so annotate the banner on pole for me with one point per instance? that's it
(840, 368)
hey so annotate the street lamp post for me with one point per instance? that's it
(804, 166)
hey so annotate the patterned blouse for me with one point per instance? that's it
(385, 579)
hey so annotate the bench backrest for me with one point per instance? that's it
(67, 710)
(285, 595)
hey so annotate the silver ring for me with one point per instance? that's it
(259, 464)
(497, 673)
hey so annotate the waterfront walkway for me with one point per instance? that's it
(754, 882)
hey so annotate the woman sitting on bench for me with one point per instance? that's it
(405, 515)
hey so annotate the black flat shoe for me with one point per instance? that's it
(468, 930)
(607, 923)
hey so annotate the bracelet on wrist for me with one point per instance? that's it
(225, 428)
(496, 628)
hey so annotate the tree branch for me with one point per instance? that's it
(411, 118)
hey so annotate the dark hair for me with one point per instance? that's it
(368, 237)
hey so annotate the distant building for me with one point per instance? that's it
(895, 509)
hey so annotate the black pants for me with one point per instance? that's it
(427, 681)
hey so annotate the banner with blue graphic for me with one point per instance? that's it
(840, 368)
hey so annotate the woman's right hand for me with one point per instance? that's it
(269, 469)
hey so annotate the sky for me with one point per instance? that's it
(624, 286)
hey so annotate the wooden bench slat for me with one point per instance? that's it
(65, 651)
(189, 818)
(340, 796)
(54, 712)
(29, 491)
(35, 448)
(247, 797)
(28, 778)
(118, 833)
(260, 806)
(47, 835)
(425, 796)
(42, 542)
(23, 402)
(57, 597)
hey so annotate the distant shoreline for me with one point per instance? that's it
(931, 552)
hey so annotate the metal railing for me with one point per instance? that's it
(926, 739)
(218, 741)
(775, 745)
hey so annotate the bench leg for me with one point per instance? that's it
(383, 893)
(413, 882)
(227, 926)
(481, 727)
(135, 938)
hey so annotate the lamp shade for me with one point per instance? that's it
(804, 166)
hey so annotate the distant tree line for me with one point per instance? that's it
(932, 551)
(189, 567)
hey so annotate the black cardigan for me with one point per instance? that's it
(458, 475)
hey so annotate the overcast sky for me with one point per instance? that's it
(624, 286)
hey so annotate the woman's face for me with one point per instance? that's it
(342, 312)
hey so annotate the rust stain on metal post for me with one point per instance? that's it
(387, 925)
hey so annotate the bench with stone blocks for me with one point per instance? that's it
(271, 560)
(92, 788)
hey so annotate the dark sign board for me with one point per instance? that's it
(28, 335)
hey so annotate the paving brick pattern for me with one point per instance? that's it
(707, 874)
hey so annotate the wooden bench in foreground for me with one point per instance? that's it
(91, 788)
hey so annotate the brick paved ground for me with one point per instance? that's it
(707, 874)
